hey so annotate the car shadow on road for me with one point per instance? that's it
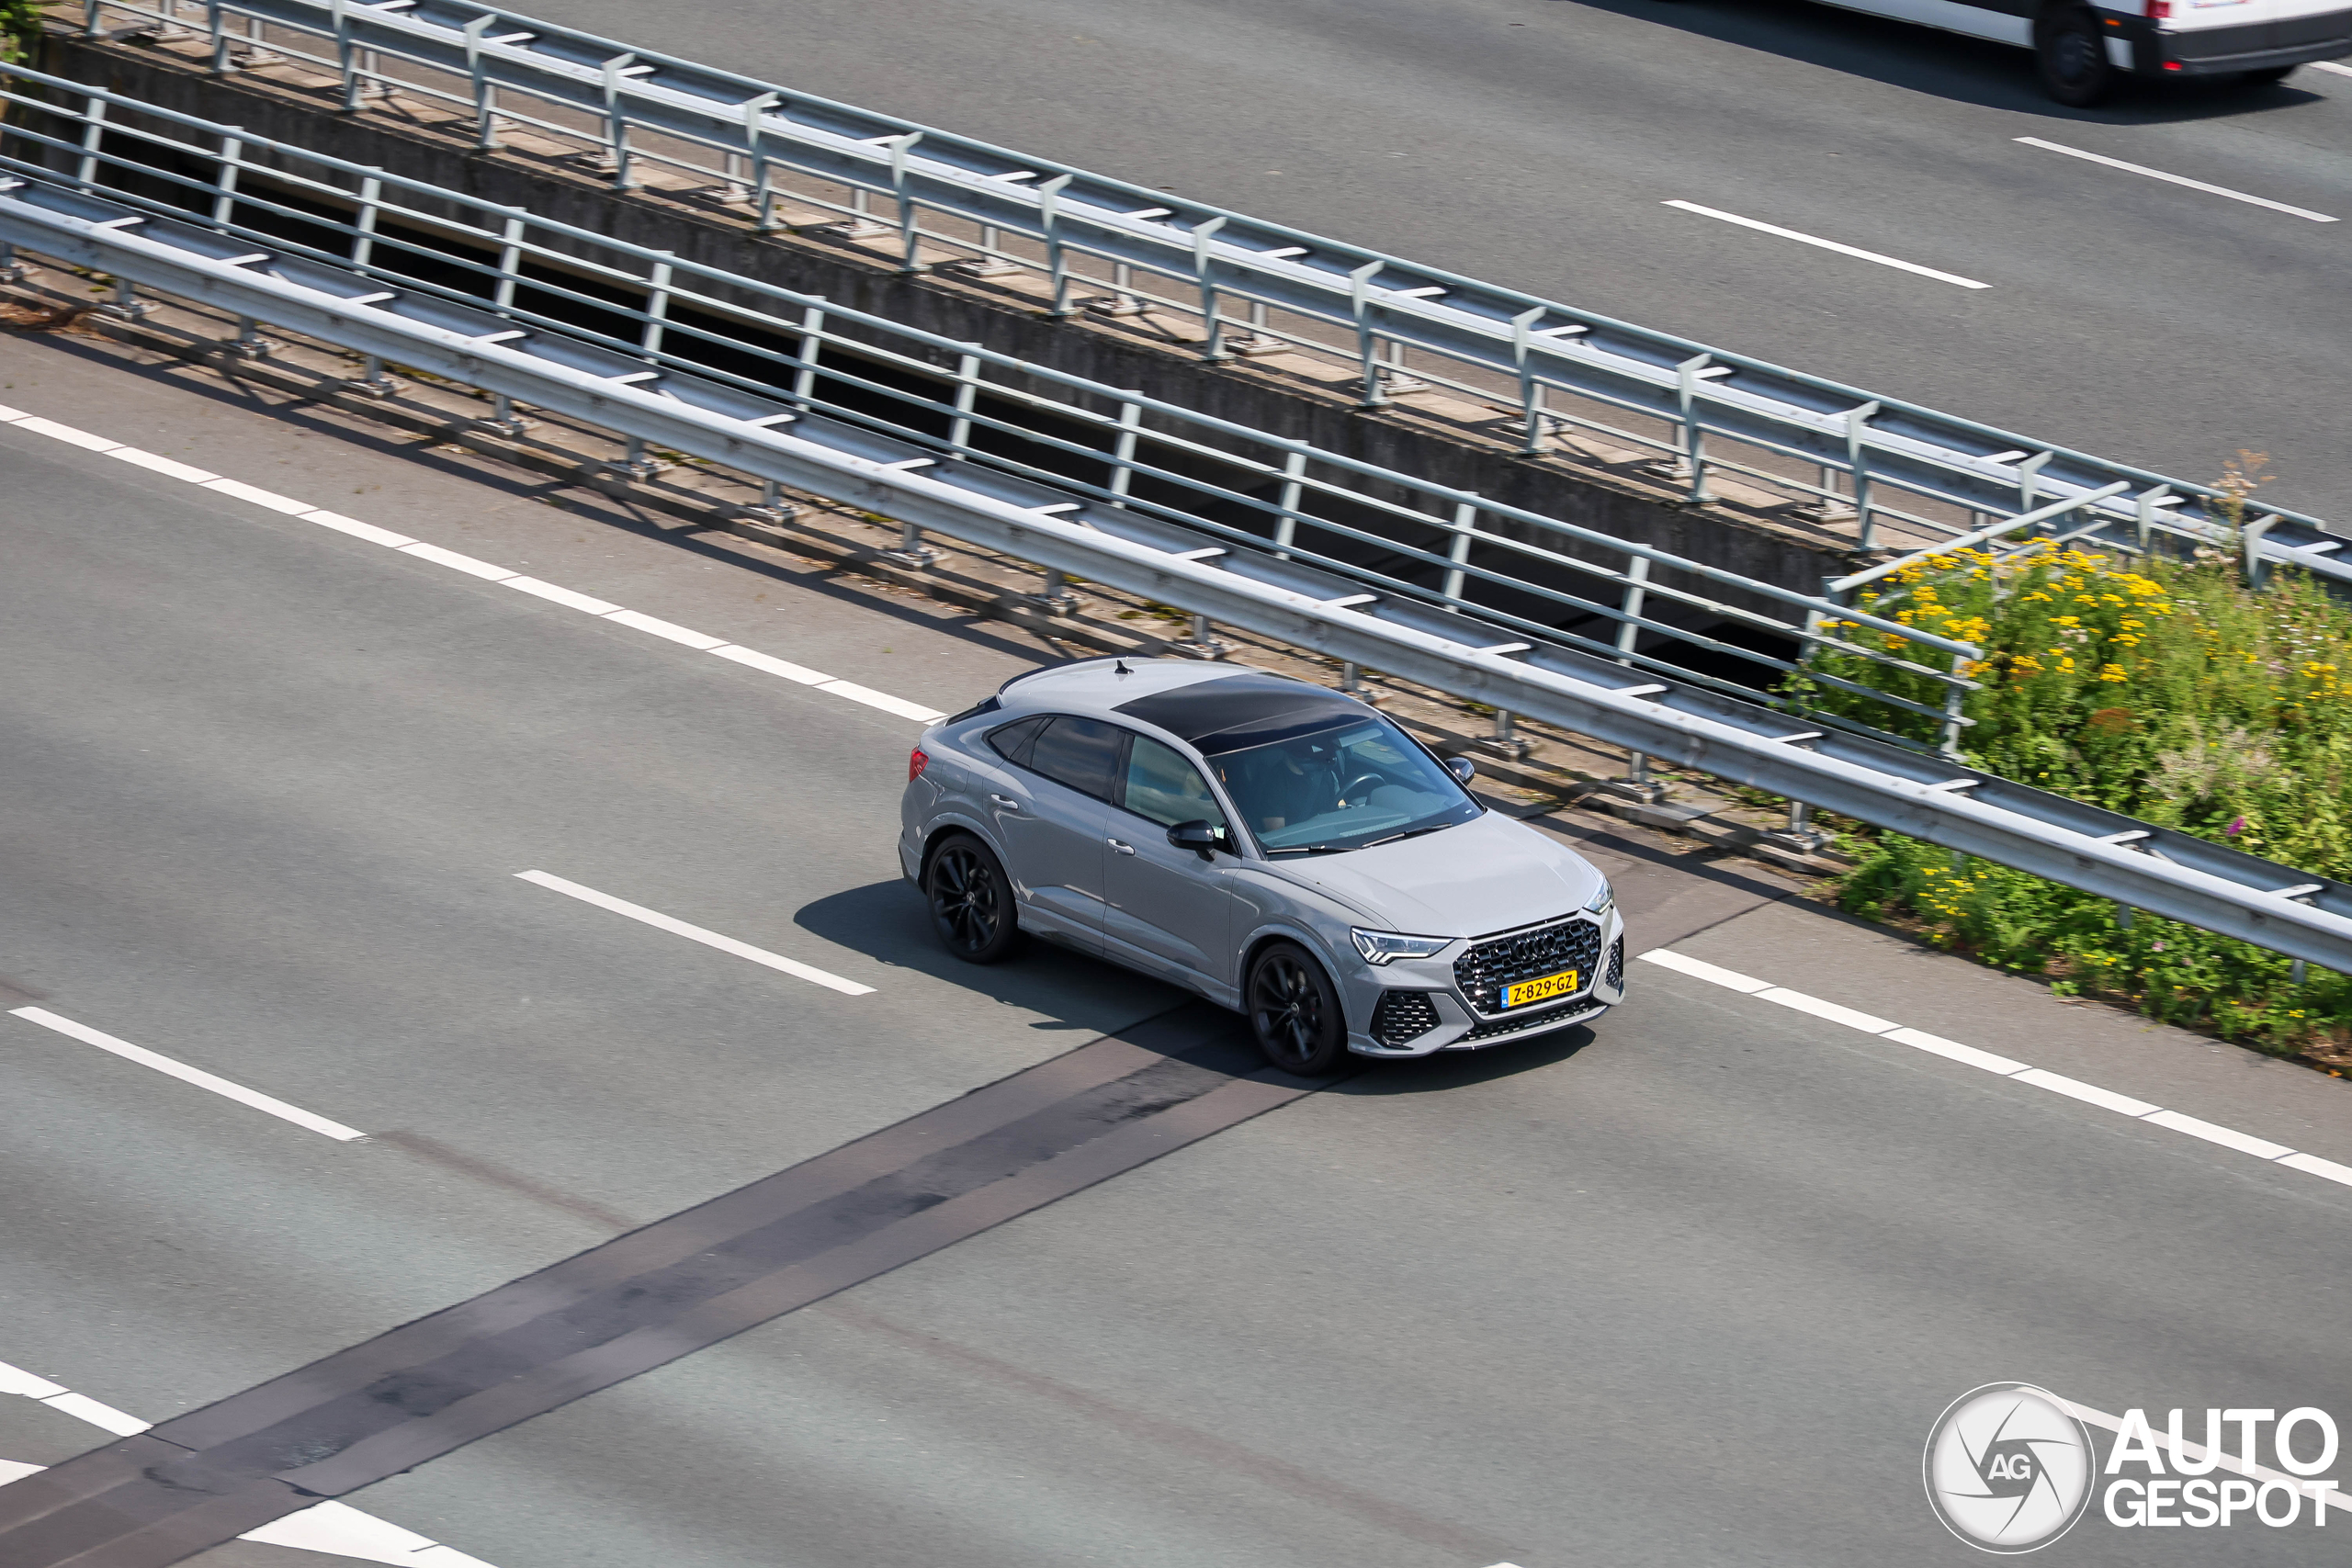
(1946, 65)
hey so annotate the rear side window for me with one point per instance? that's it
(1011, 743)
(1080, 752)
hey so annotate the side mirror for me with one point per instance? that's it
(1201, 838)
(1462, 767)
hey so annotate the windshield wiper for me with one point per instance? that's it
(1304, 850)
(1407, 833)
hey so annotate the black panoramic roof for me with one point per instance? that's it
(1245, 709)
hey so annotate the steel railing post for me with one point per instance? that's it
(228, 165)
(1857, 473)
(755, 147)
(485, 92)
(812, 343)
(1630, 604)
(910, 237)
(94, 131)
(1531, 391)
(343, 56)
(2029, 480)
(90, 18)
(1293, 491)
(1367, 344)
(1694, 433)
(1205, 272)
(616, 119)
(2145, 521)
(1123, 454)
(1466, 532)
(1049, 220)
(657, 306)
(214, 23)
(371, 202)
(510, 260)
(967, 393)
(2257, 570)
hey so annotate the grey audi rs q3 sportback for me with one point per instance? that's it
(1283, 849)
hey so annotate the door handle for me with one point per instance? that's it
(1006, 801)
(1125, 849)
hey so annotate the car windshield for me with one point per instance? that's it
(1348, 786)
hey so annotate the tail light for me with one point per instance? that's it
(2159, 10)
(917, 760)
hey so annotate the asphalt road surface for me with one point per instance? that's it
(1688, 1288)
(1535, 144)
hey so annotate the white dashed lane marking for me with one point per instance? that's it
(661, 921)
(1843, 250)
(489, 572)
(2016, 1072)
(186, 1074)
(2176, 179)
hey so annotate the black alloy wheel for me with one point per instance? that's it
(1294, 1013)
(972, 902)
(2071, 52)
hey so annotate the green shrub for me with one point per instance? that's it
(2172, 693)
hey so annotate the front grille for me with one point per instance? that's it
(1617, 964)
(1403, 1017)
(1488, 967)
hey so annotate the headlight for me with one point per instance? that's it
(1598, 905)
(1379, 947)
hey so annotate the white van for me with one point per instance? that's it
(2084, 47)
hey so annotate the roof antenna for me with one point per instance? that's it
(1119, 667)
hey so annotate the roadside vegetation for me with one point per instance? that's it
(2169, 690)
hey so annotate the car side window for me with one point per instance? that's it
(1012, 741)
(1080, 752)
(1162, 787)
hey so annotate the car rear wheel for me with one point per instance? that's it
(1295, 1012)
(971, 900)
(2072, 56)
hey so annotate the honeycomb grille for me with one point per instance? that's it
(1403, 1017)
(1617, 964)
(1488, 967)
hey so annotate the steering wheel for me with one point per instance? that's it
(1374, 779)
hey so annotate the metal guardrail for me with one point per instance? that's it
(1524, 575)
(1246, 285)
(1071, 529)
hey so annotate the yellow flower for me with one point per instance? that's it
(2112, 672)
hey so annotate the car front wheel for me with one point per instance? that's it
(971, 900)
(2072, 56)
(1295, 1012)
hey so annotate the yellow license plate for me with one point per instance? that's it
(1560, 984)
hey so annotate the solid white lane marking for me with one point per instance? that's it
(883, 701)
(774, 666)
(2332, 65)
(357, 529)
(564, 596)
(258, 496)
(571, 598)
(1699, 970)
(2176, 179)
(675, 633)
(1953, 1049)
(169, 468)
(1866, 1023)
(660, 921)
(2088, 1093)
(2260, 1149)
(67, 434)
(2017, 1072)
(336, 1528)
(452, 559)
(83, 1407)
(186, 1074)
(1894, 262)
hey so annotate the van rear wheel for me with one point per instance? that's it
(2071, 53)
